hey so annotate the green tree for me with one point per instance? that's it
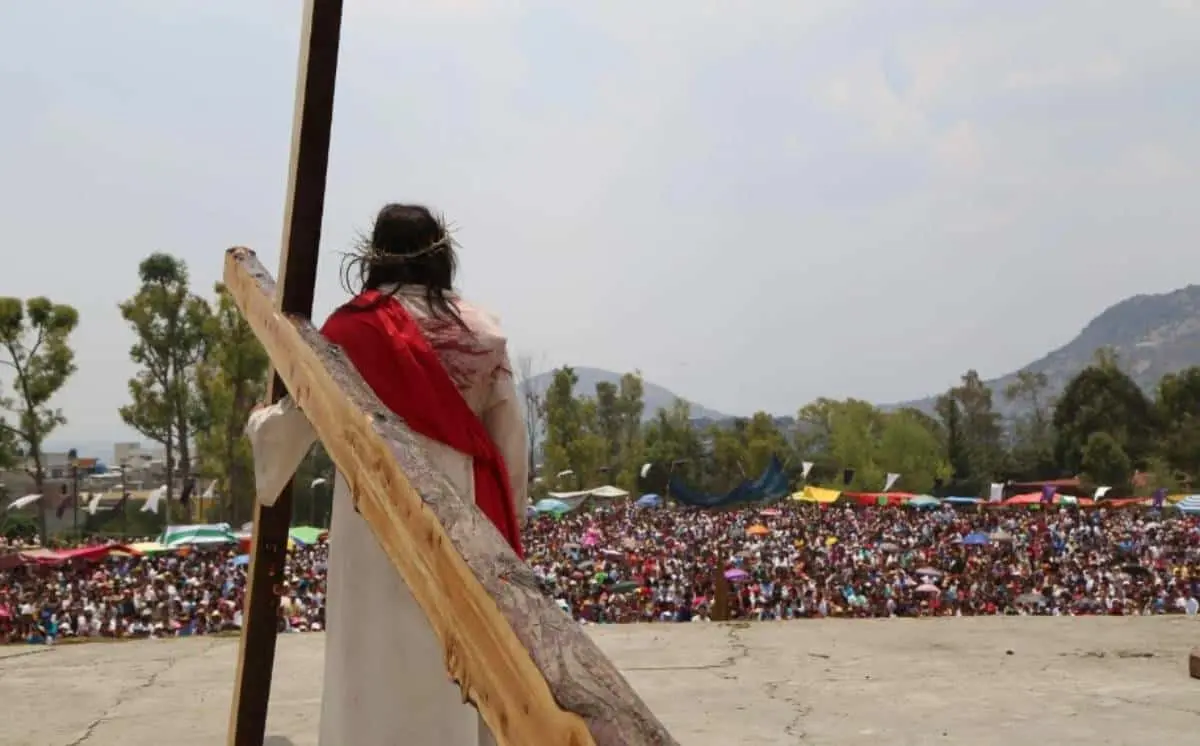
(763, 440)
(1177, 405)
(674, 443)
(169, 323)
(630, 409)
(838, 434)
(855, 434)
(814, 428)
(727, 464)
(35, 337)
(572, 443)
(1103, 398)
(230, 380)
(608, 422)
(1105, 462)
(909, 446)
(10, 450)
(973, 433)
(950, 417)
(1032, 436)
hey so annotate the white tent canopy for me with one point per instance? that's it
(574, 499)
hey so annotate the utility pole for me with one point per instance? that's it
(124, 501)
(73, 455)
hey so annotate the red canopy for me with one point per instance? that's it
(61, 556)
(1123, 502)
(91, 554)
(879, 498)
(1035, 498)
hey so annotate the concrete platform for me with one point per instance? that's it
(984, 682)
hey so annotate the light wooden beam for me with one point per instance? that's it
(531, 671)
(311, 128)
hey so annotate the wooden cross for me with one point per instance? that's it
(529, 669)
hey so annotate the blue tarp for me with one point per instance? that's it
(772, 485)
(924, 502)
(649, 501)
(957, 500)
(975, 539)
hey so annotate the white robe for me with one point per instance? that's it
(385, 677)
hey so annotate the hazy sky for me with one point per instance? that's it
(755, 203)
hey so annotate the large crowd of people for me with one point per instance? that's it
(804, 561)
(193, 591)
(624, 564)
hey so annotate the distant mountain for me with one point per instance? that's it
(1153, 335)
(655, 397)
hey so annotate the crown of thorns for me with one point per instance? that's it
(372, 255)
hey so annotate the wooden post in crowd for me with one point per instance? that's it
(303, 213)
(720, 608)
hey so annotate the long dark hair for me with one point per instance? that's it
(409, 246)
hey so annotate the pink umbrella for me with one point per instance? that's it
(928, 588)
(736, 574)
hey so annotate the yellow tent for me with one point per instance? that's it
(817, 495)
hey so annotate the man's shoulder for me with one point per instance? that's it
(479, 319)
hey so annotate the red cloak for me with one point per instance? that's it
(394, 357)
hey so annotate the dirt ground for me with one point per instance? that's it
(984, 682)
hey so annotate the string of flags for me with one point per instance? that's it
(152, 504)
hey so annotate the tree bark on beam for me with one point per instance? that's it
(531, 671)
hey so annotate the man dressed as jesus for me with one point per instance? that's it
(441, 365)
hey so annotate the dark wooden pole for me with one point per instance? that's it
(720, 601)
(311, 126)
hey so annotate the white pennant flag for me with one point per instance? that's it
(21, 502)
(997, 492)
(805, 467)
(94, 504)
(211, 492)
(1101, 492)
(892, 478)
(646, 469)
(156, 497)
